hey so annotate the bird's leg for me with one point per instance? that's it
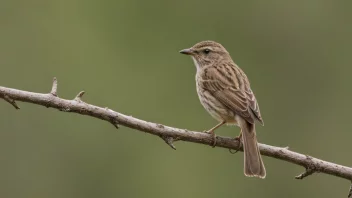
(215, 127)
(239, 139)
(211, 131)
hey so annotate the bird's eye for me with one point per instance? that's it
(206, 51)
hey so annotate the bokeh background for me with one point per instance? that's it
(124, 54)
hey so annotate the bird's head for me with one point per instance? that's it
(206, 52)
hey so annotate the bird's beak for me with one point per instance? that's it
(187, 51)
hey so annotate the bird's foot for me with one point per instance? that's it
(239, 139)
(213, 135)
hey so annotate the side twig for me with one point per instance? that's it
(78, 98)
(310, 169)
(54, 87)
(11, 101)
(306, 173)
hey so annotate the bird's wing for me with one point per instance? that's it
(230, 86)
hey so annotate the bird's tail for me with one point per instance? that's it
(253, 163)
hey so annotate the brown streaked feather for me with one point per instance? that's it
(229, 84)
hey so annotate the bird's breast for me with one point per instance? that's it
(213, 106)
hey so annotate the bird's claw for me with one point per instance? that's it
(239, 139)
(214, 137)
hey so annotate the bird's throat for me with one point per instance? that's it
(196, 63)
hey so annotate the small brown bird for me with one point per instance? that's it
(225, 92)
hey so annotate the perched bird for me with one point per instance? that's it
(224, 91)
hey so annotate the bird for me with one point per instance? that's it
(224, 91)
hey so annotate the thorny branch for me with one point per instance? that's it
(170, 134)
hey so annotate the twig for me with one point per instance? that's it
(78, 98)
(350, 192)
(310, 168)
(11, 101)
(54, 87)
(306, 173)
(170, 134)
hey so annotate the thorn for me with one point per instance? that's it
(54, 87)
(169, 141)
(78, 98)
(11, 101)
(283, 149)
(306, 173)
(115, 123)
(350, 192)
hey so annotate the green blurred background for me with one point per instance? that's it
(124, 54)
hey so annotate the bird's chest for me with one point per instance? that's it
(199, 86)
(212, 104)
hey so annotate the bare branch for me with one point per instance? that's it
(54, 87)
(350, 192)
(170, 134)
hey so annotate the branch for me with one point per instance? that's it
(170, 134)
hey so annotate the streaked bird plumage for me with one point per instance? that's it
(224, 91)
